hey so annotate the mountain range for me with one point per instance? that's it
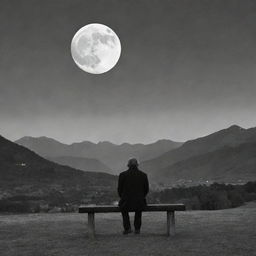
(227, 155)
(107, 156)
(24, 173)
(81, 163)
(224, 156)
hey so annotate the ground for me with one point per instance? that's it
(222, 232)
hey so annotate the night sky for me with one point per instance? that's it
(187, 68)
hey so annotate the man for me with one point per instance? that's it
(132, 189)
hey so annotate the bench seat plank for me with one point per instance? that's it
(149, 208)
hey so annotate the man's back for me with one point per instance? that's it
(133, 184)
(133, 188)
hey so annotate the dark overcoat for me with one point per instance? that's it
(132, 188)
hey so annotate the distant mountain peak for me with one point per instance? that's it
(235, 127)
(105, 143)
(33, 138)
(41, 138)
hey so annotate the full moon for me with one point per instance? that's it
(95, 48)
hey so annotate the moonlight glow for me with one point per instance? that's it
(95, 48)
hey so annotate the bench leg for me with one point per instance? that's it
(91, 225)
(170, 224)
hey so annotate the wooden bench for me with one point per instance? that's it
(168, 208)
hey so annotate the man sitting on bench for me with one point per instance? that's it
(132, 188)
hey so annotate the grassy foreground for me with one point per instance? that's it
(222, 232)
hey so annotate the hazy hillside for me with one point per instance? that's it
(228, 164)
(227, 155)
(44, 146)
(25, 174)
(81, 163)
(114, 156)
(231, 136)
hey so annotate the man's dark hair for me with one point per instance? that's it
(132, 162)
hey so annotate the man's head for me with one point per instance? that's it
(132, 163)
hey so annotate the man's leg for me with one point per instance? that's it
(126, 220)
(137, 221)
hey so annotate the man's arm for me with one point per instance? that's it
(146, 185)
(120, 185)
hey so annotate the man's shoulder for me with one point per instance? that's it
(127, 172)
(142, 173)
(123, 173)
